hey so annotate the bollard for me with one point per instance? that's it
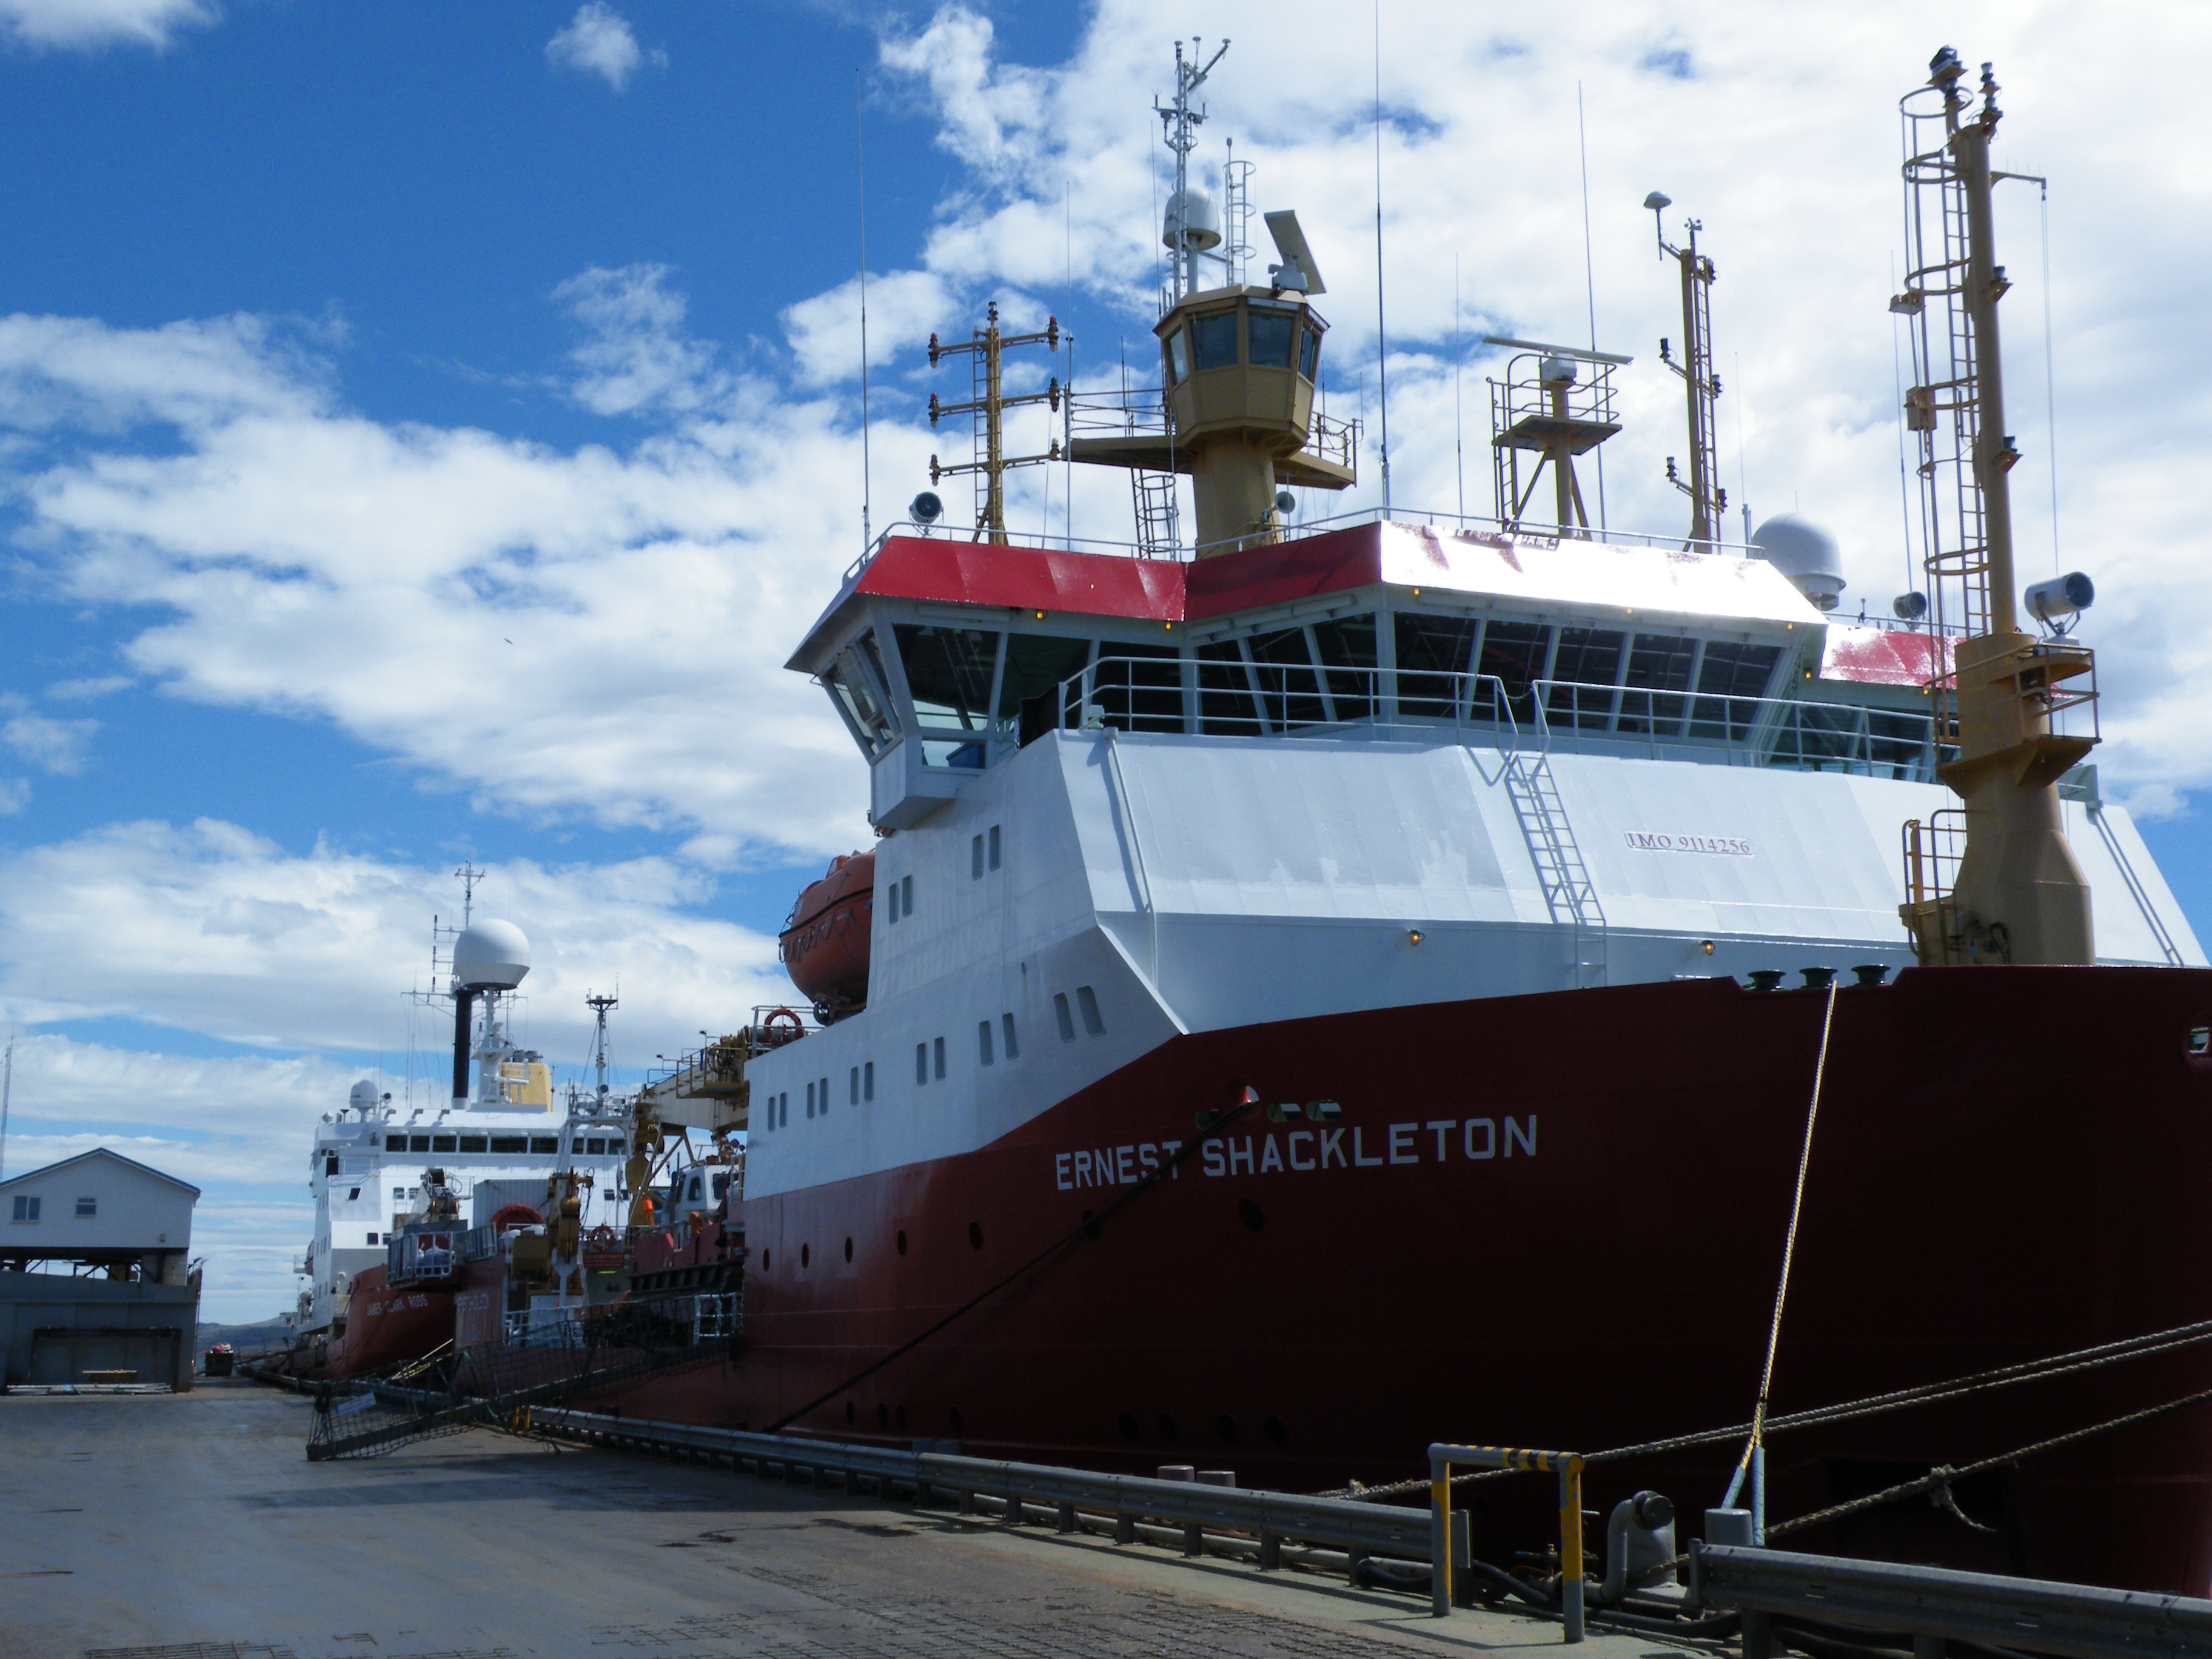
(1067, 1517)
(1125, 1528)
(1271, 1551)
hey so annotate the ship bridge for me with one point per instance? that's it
(944, 656)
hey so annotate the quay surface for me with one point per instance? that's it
(192, 1526)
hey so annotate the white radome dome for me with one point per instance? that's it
(490, 956)
(364, 1096)
(1805, 553)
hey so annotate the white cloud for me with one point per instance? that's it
(639, 356)
(14, 795)
(598, 41)
(86, 24)
(210, 928)
(57, 745)
(79, 691)
(904, 307)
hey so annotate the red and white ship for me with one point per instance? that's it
(1465, 917)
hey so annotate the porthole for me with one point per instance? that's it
(1128, 1423)
(806, 1251)
(2200, 1040)
(848, 1249)
(953, 1420)
(975, 1234)
(1224, 1429)
(1251, 1215)
(1273, 1432)
(1165, 1427)
(902, 1241)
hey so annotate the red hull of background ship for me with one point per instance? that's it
(1557, 1220)
(384, 1327)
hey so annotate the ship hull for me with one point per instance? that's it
(384, 1327)
(1557, 1220)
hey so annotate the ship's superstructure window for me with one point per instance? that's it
(331, 1164)
(1273, 335)
(993, 860)
(949, 672)
(352, 1193)
(395, 1143)
(855, 680)
(1310, 351)
(1431, 650)
(1141, 696)
(1178, 357)
(823, 1085)
(443, 1144)
(868, 1081)
(544, 1143)
(1036, 664)
(472, 1143)
(1585, 657)
(1013, 1048)
(983, 1042)
(1213, 341)
(1731, 668)
(921, 1062)
(810, 1100)
(1087, 1000)
(398, 1195)
(892, 904)
(1066, 1016)
(937, 1048)
(976, 859)
(1290, 687)
(372, 1238)
(510, 1143)
(1515, 653)
(1345, 646)
(1658, 667)
(1225, 705)
(853, 1088)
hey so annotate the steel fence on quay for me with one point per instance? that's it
(1264, 1521)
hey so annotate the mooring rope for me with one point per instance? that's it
(1752, 1445)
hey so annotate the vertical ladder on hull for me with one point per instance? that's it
(1569, 893)
(1158, 514)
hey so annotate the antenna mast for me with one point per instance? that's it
(7, 1093)
(469, 876)
(599, 1005)
(989, 403)
(1707, 501)
(1180, 124)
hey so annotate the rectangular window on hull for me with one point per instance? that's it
(976, 859)
(372, 1238)
(87, 1206)
(936, 1047)
(906, 895)
(983, 1042)
(1014, 1048)
(1087, 1000)
(921, 1062)
(1065, 1015)
(868, 1081)
(810, 1100)
(993, 860)
(853, 1088)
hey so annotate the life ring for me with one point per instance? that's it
(600, 1240)
(768, 1024)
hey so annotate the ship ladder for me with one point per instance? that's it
(1158, 518)
(1569, 893)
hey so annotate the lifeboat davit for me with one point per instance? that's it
(824, 944)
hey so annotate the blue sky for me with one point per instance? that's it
(424, 430)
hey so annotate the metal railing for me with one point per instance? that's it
(1933, 1604)
(1236, 698)
(1269, 1519)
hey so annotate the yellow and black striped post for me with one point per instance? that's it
(1569, 1467)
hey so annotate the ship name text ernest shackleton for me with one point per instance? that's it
(1433, 1140)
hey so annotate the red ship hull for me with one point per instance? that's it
(1984, 1188)
(384, 1327)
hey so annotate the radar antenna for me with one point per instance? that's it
(1707, 501)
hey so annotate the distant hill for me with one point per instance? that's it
(246, 1339)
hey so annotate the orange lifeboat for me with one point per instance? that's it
(824, 944)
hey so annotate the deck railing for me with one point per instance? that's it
(1230, 698)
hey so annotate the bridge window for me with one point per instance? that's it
(1310, 353)
(1143, 695)
(1345, 648)
(1513, 653)
(1431, 650)
(1273, 334)
(1225, 705)
(395, 1143)
(1178, 357)
(1657, 665)
(1587, 658)
(1035, 665)
(1732, 670)
(948, 671)
(1214, 340)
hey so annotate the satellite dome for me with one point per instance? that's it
(1805, 553)
(363, 1098)
(490, 956)
(1191, 214)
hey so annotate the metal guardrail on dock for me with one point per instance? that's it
(1933, 1604)
(1270, 1519)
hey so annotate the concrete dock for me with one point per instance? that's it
(192, 1526)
